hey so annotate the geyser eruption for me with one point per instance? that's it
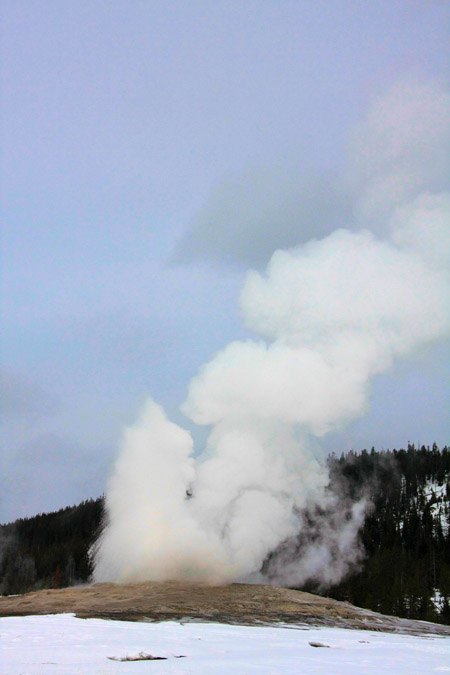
(331, 314)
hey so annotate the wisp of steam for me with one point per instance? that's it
(331, 314)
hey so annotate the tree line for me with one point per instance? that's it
(406, 532)
(49, 550)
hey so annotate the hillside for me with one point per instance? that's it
(406, 537)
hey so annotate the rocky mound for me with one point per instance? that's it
(236, 603)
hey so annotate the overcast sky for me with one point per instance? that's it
(152, 153)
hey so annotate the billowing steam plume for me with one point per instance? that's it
(331, 314)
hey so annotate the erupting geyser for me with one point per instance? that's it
(331, 314)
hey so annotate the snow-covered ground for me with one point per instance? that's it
(63, 644)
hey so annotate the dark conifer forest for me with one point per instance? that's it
(405, 535)
(49, 550)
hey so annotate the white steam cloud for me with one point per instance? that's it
(331, 314)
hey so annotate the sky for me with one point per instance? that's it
(153, 152)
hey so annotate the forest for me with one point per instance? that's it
(405, 570)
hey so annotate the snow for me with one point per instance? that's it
(433, 489)
(434, 494)
(437, 599)
(63, 644)
(438, 510)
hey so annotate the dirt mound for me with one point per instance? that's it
(236, 603)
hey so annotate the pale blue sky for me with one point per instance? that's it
(121, 124)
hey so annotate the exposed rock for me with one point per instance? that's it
(141, 656)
